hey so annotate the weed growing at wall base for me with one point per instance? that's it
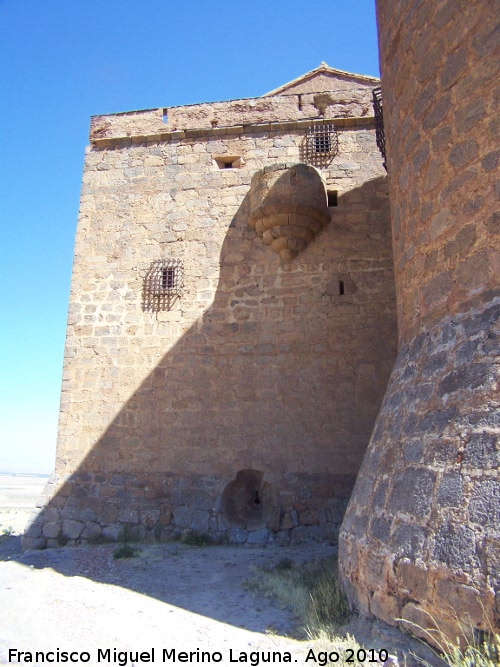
(469, 649)
(197, 539)
(484, 654)
(125, 551)
(311, 590)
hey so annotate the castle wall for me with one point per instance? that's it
(261, 376)
(420, 540)
(348, 102)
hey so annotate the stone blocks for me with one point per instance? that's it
(185, 503)
(429, 481)
(261, 363)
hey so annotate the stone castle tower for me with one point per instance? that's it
(232, 321)
(420, 541)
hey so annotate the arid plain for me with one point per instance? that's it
(19, 493)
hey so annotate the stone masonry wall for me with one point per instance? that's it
(262, 373)
(420, 540)
(345, 104)
(343, 97)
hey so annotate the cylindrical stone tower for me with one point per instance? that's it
(420, 540)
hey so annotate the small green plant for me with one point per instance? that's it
(196, 539)
(7, 531)
(124, 551)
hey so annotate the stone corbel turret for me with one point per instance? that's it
(288, 207)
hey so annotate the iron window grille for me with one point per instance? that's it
(163, 283)
(379, 122)
(322, 143)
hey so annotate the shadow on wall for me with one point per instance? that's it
(254, 424)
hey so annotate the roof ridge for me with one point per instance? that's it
(323, 67)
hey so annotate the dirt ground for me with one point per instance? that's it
(171, 598)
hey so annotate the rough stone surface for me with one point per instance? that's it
(272, 367)
(345, 96)
(432, 462)
(262, 363)
(72, 529)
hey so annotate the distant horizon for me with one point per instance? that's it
(19, 469)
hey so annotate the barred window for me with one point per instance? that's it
(163, 284)
(322, 143)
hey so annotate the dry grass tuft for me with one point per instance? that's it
(470, 648)
(312, 592)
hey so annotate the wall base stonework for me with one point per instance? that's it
(420, 538)
(93, 506)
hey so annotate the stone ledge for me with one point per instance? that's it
(199, 133)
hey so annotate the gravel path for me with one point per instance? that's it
(171, 598)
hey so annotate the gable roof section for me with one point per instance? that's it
(321, 79)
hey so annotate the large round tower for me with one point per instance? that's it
(420, 540)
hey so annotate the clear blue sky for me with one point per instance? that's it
(65, 60)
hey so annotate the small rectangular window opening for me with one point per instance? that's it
(228, 161)
(299, 102)
(168, 278)
(332, 198)
(322, 142)
(341, 287)
(165, 115)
